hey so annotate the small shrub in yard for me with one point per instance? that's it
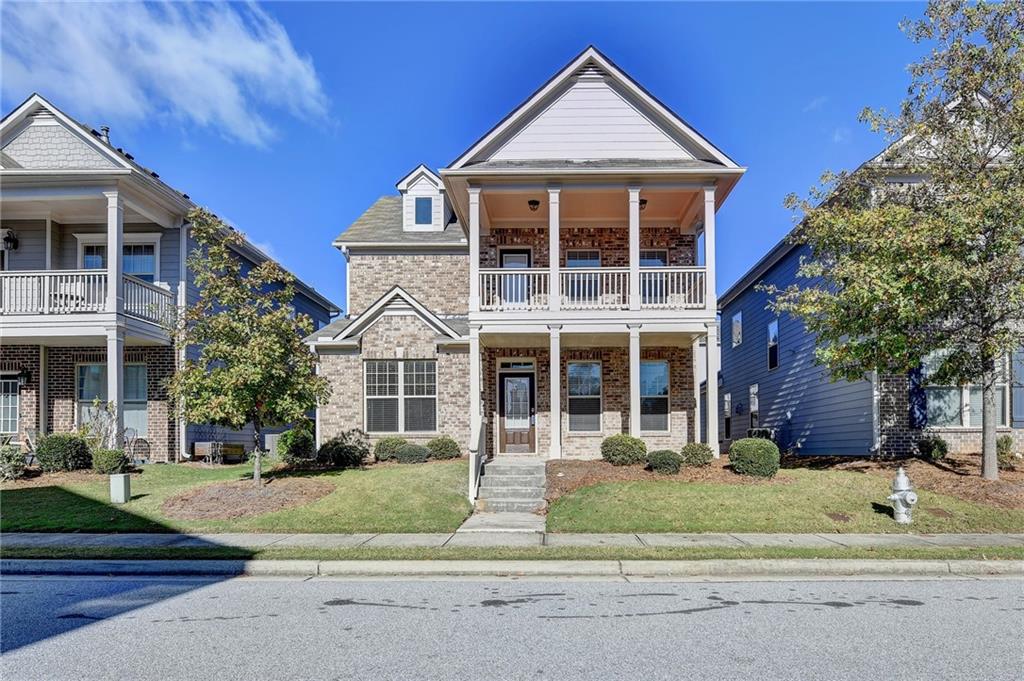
(387, 447)
(109, 461)
(1004, 453)
(932, 448)
(444, 447)
(412, 453)
(664, 461)
(297, 444)
(697, 454)
(754, 456)
(12, 463)
(623, 450)
(344, 451)
(63, 452)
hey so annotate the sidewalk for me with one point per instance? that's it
(506, 539)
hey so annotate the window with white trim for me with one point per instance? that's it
(737, 329)
(424, 210)
(91, 385)
(584, 397)
(9, 403)
(654, 409)
(727, 414)
(140, 254)
(755, 407)
(139, 260)
(401, 395)
(773, 344)
(961, 406)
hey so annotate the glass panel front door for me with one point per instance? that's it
(517, 403)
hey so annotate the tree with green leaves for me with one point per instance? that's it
(252, 366)
(920, 252)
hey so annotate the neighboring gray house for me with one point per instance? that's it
(75, 324)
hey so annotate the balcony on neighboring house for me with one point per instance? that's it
(67, 292)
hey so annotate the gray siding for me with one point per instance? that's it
(809, 413)
(31, 253)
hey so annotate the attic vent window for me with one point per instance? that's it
(424, 210)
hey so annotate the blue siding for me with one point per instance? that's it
(810, 414)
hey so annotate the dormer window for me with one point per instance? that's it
(424, 210)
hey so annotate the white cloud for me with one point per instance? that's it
(267, 248)
(841, 135)
(212, 65)
(815, 104)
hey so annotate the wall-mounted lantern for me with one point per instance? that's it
(24, 376)
(10, 240)
(534, 204)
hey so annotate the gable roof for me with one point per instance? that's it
(416, 173)
(344, 331)
(381, 225)
(591, 57)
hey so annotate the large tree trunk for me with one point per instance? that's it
(257, 460)
(989, 421)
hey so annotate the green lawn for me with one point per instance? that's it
(796, 501)
(414, 498)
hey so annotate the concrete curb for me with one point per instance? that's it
(527, 568)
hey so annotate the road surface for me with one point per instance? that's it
(249, 628)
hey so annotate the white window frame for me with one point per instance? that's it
(667, 396)
(640, 255)
(965, 401)
(130, 239)
(12, 376)
(569, 398)
(106, 367)
(600, 256)
(401, 396)
(737, 329)
(726, 416)
(768, 345)
(415, 220)
(754, 406)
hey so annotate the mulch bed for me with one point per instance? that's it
(37, 478)
(226, 501)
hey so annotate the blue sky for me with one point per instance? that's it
(290, 119)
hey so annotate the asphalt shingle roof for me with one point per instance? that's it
(382, 223)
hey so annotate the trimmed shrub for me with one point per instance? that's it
(444, 447)
(12, 463)
(412, 453)
(387, 447)
(932, 448)
(1004, 453)
(664, 461)
(623, 450)
(697, 454)
(297, 444)
(110, 461)
(754, 456)
(63, 452)
(347, 450)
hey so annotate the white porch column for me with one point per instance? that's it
(475, 407)
(555, 376)
(48, 252)
(115, 241)
(634, 380)
(555, 283)
(634, 248)
(695, 351)
(710, 295)
(115, 376)
(474, 249)
(712, 387)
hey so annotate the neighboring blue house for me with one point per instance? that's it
(769, 380)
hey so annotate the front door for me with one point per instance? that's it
(516, 409)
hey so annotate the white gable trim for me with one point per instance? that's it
(379, 308)
(532, 106)
(11, 124)
(420, 170)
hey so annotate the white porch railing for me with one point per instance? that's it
(79, 291)
(477, 458)
(595, 288)
(147, 301)
(671, 288)
(513, 289)
(53, 292)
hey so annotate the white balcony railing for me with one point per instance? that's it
(593, 288)
(79, 291)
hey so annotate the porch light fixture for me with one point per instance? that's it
(10, 240)
(643, 204)
(534, 204)
(24, 376)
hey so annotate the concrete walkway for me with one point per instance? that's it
(481, 536)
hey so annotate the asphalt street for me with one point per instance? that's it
(264, 628)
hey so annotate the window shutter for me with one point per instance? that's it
(917, 399)
(1017, 389)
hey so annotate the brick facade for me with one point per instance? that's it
(161, 440)
(438, 281)
(613, 244)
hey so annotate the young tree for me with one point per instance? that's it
(921, 250)
(253, 366)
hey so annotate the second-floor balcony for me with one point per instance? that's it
(592, 288)
(68, 292)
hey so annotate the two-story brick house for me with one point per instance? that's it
(543, 291)
(75, 324)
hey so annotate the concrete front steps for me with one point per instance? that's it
(512, 484)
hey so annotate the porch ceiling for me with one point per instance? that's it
(593, 207)
(586, 340)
